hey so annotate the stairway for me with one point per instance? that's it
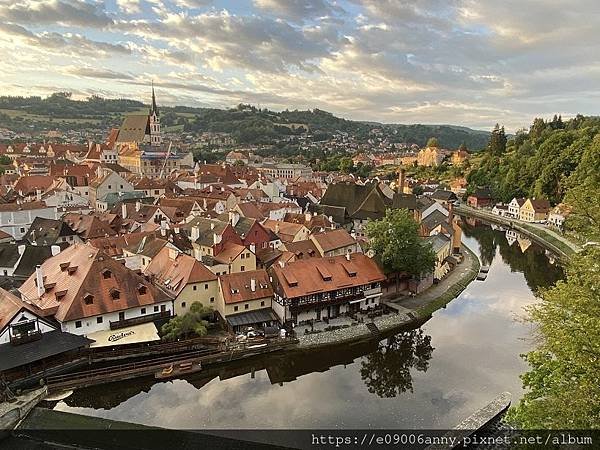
(373, 328)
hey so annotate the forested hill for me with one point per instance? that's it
(247, 123)
(549, 160)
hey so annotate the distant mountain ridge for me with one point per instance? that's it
(247, 123)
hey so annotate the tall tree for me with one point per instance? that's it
(497, 144)
(433, 142)
(563, 382)
(396, 242)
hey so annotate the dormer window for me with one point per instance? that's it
(142, 289)
(106, 274)
(115, 294)
(88, 299)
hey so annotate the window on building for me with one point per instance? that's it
(122, 315)
(143, 311)
(78, 324)
(109, 186)
(99, 319)
(195, 287)
(206, 287)
(246, 306)
(142, 290)
(88, 299)
(183, 304)
(156, 309)
(115, 294)
(235, 308)
(106, 274)
(243, 268)
(212, 299)
(262, 303)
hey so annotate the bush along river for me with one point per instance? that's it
(429, 377)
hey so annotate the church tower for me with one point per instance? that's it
(155, 136)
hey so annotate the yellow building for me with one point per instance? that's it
(245, 300)
(187, 279)
(534, 210)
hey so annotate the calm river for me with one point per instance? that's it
(431, 377)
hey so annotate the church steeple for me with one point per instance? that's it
(153, 108)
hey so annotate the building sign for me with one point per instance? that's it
(118, 336)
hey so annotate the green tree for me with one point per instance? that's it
(497, 144)
(433, 142)
(564, 378)
(191, 324)
(563, 383)
(346, 164)
(396, 242)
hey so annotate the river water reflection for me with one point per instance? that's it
(431, 377)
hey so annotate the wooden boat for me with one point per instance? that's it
(182, 368)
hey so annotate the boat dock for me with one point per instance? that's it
(150, 367)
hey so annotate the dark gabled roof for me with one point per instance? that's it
(51, 343)
(434, 219)
(243, 226)
(47, 231)
(34, 255)
(404, 201)
(252, 317)
(360, 201)
(9, 254)
(444, 195)
(483, 193)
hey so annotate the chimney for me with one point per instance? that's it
(195, 233)
(252, 284)
(39, 280)
(163, 227)
(38, 194)
(308, 216)
(176, 230)
(234, 218)
(348, 254)
(123, 210)
(216, 238)
(55, 249)
(277, 228)
(204, 204)
(210, 188)
(21, 249)
(401, 180)
(212, 225)
(253, 248)
(138, 205)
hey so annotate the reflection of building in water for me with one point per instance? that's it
(523, 242)
(511, 237)
(550, 256)
(280, 367)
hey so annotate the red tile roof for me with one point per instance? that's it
(316, 275)
(82, 281)
(237, 287)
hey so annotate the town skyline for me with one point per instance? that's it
(474, 62)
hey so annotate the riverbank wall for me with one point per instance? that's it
(537, 235)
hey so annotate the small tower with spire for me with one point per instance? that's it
(155, 135)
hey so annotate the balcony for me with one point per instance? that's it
(24, 338)
(140, 319)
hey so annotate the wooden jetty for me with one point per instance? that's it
(150, 367)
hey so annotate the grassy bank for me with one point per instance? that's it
(567, 250)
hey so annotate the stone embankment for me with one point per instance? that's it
(540, 234)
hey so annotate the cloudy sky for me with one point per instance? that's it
(467, 62)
